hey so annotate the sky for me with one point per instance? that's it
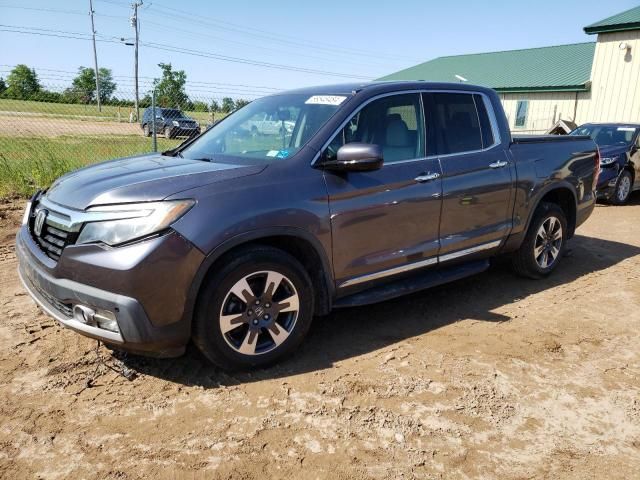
(246, 49)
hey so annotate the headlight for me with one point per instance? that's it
(176, 123)
(27, 212)
(608, 160)
(123, 223)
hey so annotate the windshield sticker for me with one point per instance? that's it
(272, 153)
(282, 154)
(325, 100)
(626, 129)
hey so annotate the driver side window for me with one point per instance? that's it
(394, 122)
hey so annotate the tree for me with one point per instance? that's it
(84, 85)
(215, 106)
(241, 102)
(228, 104)
(3, 86)
(199, 106)
(22, 83)
(170, 88)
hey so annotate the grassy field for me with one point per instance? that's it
(62, 110)
(30, 163)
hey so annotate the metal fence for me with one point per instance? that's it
(56, 130)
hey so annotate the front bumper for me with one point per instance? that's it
(144, 285)
(185, 131)
(607, 181)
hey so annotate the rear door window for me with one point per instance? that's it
(454, 124)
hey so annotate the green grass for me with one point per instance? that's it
(62, 110)
(31, 163)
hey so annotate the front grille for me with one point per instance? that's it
(53, 238)
(52, 241)
(64, 308)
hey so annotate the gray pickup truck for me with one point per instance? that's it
(237, 241)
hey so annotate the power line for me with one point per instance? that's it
(210, 22)
(189, 82)
(186, 51)
(56, 10)
(251, 45)
(266, 34)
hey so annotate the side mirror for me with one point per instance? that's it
(356, 157)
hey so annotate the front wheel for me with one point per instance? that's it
(544, 243)
(622, 190)
(256, 309)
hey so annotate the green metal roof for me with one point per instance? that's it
(629, 20)
(557, 68)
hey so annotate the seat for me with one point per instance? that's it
(397, 145)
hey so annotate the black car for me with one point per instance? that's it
(170, 122)
(619, 145)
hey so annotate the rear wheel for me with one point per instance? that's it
(622, 190)
(544, 243)
(256, 309)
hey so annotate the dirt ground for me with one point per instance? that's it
(23, 125)
(492, 377)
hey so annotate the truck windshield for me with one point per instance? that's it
(608, 134)
(268, 129)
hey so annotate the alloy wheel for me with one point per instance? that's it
(259, 312)
(623, 188)
(548, 242)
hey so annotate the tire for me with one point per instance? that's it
(622, 190)
(146, 130)
(543, 241)
(235, 333)
(167, 132)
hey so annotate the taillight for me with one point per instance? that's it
(596, 174)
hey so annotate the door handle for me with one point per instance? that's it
(427, 177)
(498, 164)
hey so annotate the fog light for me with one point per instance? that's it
(106, 320)
(83, 314)
(103, 319)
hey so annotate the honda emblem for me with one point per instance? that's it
(41, 216)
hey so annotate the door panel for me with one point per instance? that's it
(384, 219)
(477, 174)
(476, 203)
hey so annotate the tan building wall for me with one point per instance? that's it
(614, 95)
(615, 81)
(544, 109)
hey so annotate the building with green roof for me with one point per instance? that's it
(581, 82)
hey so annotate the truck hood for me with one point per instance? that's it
(613, 150)
(140, 179)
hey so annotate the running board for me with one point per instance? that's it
(415, 283)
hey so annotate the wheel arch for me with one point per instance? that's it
(562, 194)
(298, 243)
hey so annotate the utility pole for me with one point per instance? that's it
(95, 55)
(136, 27)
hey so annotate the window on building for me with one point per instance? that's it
(521, 113)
